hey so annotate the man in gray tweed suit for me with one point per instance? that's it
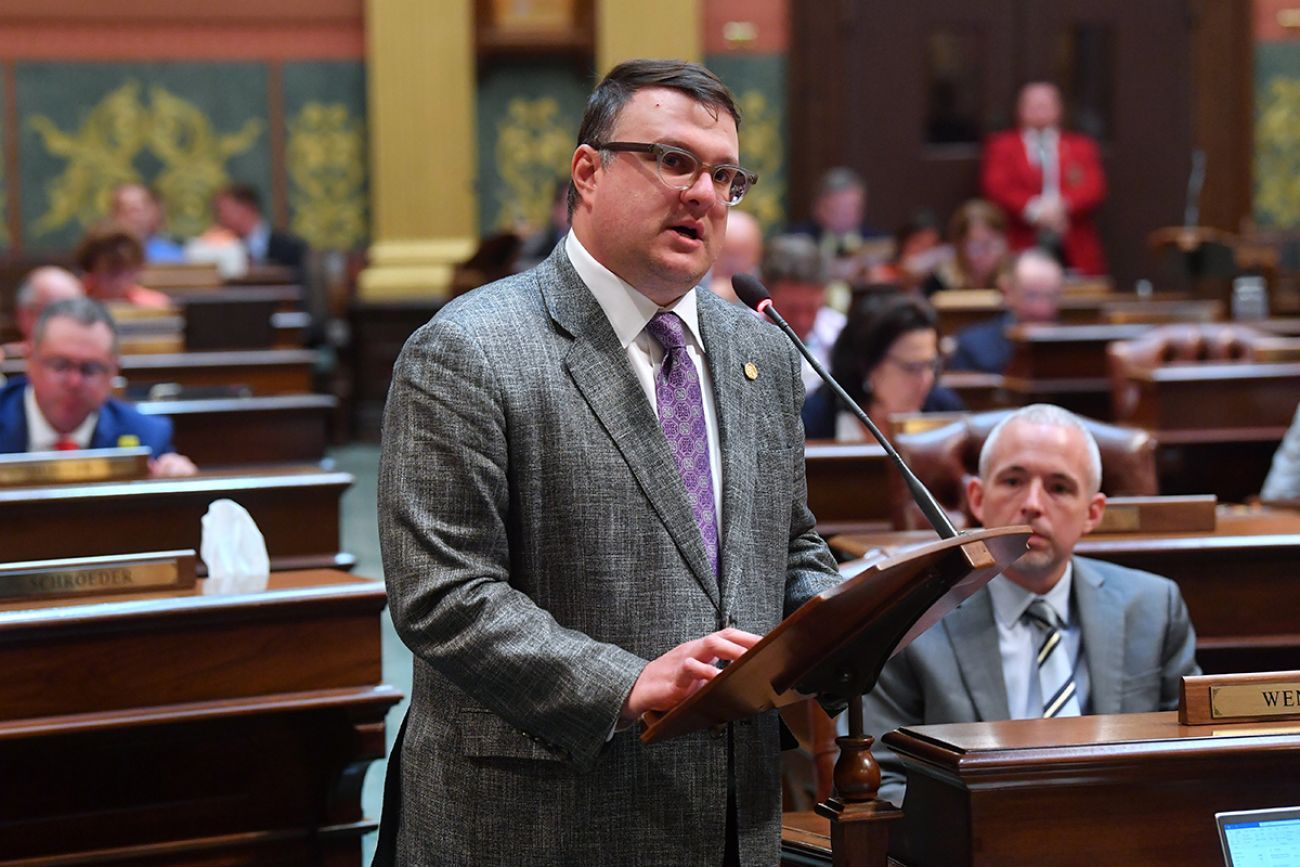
(592, 491)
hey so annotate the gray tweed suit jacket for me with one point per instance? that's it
(1137, 640)
(539, 548)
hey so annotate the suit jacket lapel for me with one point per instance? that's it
(599, 367)
(1103, 639)
(973, 632)
(733, 397)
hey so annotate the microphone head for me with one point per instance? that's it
(749, 290)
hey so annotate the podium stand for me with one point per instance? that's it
(834, 647)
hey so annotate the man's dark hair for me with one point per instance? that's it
(109, 244)
(245, 194)
(872, 329)
(622, 83)
(83, 311)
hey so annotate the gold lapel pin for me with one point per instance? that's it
(751, 371)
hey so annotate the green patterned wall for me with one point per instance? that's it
(187, 129)
(184, 128)
(528, 117)
(325, 152)
(759, 84)
(1277, 134)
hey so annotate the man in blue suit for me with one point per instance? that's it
(1033, 294)
(64, 401)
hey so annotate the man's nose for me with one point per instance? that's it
(1033, 501)
(703, 193)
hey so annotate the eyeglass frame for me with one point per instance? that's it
(90, 371)
(918, 368)
(659, 151)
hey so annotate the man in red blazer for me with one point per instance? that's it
(1050, 182)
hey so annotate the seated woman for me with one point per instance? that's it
(978, 235)
(887, 359)
(111, 259)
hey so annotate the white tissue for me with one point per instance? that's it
(233, 549)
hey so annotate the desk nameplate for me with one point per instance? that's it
(96, 576)
(73, 467)
(1271, 695)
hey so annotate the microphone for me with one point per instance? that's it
(1192, 213)
(754, 295)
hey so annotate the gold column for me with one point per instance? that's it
(420, 81)
(668, 29)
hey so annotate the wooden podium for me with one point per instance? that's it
(192, 728)
(834, 647)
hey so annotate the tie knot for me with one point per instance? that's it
(1040, 614)
(668, 329)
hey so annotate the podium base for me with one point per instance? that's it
(859, 831)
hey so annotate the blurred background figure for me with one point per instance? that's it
(839, 226)
(918, 251)
(795, 275)
(1049, 182)
(39, 289)
(978, 235)
(887, 359)
(742, 252)
(238, 210)
(138, 209)
(1032, 294)
(539, 245)
(111, 260)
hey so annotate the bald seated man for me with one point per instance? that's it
(742, 251)
(65, 404)
(39, 289)
(1032, 294)
(1055, 634)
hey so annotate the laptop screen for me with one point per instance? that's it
(1260, 838)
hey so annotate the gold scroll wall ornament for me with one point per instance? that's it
(762, 151)
(101, 154)
(533, 151)
(1277, 154)
(326, 160)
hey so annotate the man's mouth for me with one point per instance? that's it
(687, 231)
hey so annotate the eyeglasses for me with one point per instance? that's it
(680, 169)
(918, 368)
(89, 370)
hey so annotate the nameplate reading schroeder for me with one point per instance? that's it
(1273, 695)
(97, 576)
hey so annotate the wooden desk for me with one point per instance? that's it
(264, 371)
(1190, 397)
(1133, 789)
(849, 485)
(296, 508)
(235, 317)
(290, 428)
(1238, 582)
(979, 391)
(192, 728)
(1065, 365)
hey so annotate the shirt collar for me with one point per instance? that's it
(41, 435)
(627, 310)
(1010, 600)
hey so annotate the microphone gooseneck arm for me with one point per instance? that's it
(762, 302)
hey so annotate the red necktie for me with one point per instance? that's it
(66, 444)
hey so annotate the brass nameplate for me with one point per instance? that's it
(1278, 699)
(1234, 698)
(96, 576)
(62, 468)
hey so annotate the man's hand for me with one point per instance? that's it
(666, 681)
(171, 464)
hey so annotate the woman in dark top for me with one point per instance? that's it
(887, 359)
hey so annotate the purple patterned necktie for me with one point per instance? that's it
(681, 414)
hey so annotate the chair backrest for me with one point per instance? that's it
(944, 458)
(1184, 343)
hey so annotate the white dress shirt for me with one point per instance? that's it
(629, 312)
(826, 328)
(1042, 147)
(41, 436)
(1018, 643)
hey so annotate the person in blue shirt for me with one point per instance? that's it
(65, 403)
(138, 209)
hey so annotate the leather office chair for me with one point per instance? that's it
(945, 457)
(1184, 343)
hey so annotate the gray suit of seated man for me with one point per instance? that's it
(1120, 639)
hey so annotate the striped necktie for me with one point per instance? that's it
(1055, 671)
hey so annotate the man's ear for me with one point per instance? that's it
(1096, 508)
(975, 497)
(586, 163)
